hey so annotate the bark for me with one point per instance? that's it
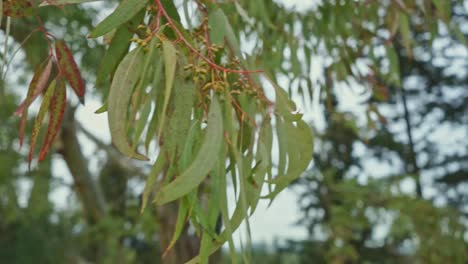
(86, 188)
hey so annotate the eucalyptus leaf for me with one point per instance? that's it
(126, 77)
(123, 13)
(203, 162)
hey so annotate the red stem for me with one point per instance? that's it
(211, 63)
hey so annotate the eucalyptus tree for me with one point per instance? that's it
(178, 74)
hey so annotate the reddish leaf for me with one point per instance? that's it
(38, 86)
(56, 110)
(17, 8)
(40, 117)
(69, 68)
(38, 82)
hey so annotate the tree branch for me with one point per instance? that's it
(88, 191)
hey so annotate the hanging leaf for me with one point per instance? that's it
(178, 116)
(57, 108)
(101, 109)
(214, 205)
(39, 118)
(126, 77)
(300, 151)
(38, 82)
(17, 8)
(394, 74)
(39, 86)
(65, 2)
(405, 33)
(221, 29)
(117, 49)
(69, 68)
(152, 180)
(153, 126)
(202, 164)
(123, 13)
(170, 63)
(179, 227)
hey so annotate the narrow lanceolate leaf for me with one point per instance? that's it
(40, 117)
(122, 14)
(126, 77)
(65, 2)
(181, 220)
(117, 49)
(300, 142)
(38, 82)
(1, 12)
(69, 69)
(152, 180)
(202, 164)
(221, 29)
(56, 110)
(170, 62)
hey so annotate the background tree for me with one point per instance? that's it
(398, 207)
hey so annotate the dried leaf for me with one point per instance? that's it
(38, 82)
(38, 87)
(56, 111)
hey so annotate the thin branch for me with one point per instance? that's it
(194, 50)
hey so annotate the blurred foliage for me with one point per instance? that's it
(360, 201)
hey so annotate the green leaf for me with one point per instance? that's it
(126, 77)
(170, 63)
(300, 151)
(154, 124)
(221, 29)
(123, 13)
(394, 74)
(181, 220)
(203, 162)
(65, 2)
(405, 33)
(101, 109)
(187, 154)
(1, 12)
(117, 49)
(142, 121)
(214, 205)
(39, 118)
(152, 180)
(282, 145)
(443, 8)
